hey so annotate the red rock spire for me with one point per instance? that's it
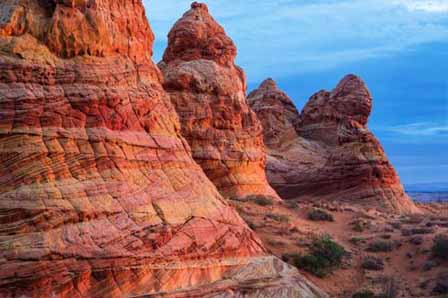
(198, 36)
(327, 152)
(208, 91)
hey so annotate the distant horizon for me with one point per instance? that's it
(398, 47)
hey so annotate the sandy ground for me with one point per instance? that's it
(404, 273)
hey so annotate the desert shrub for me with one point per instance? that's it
(412, 219)
(416, 231)
(261, 200)
(320, 215)
(275, 243)
(292, 204)
(357, 240)
(364, 294)
(291, 258)
(440, 247)
(360, 225)
(294, 230)
(325, 255)
(417, 240)
(251, 225)
(372, 263)
(278, 217)
(396, 225)
(380, 246)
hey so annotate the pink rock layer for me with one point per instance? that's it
(327, 152)
(208, 92)
(99, 193)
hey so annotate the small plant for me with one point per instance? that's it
(292, 204)
(380, 246)
(251, 225)
(320, 215)
(372, 263)
(357, 240)
(275, 243)
(325, 256)
(261, 200)
(360, 225)
(364, 294)
(278, 217)
(416, 231)
(294, 230)
(440, 247)
(291, 258)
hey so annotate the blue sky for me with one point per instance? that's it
(399, 47)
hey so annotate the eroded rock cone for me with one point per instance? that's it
(99, 194)
(327, 151)
(208, 92)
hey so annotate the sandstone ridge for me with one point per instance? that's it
(99, 193)
(208, 92)
(326, 152)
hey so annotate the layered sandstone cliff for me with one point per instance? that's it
(99, 194)
(327, 151)
(208, 92)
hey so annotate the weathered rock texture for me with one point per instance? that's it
(99, 194)
(327, 151)
(208, 92)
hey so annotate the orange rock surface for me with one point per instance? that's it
(327, 151)
(208, 92)
(99, 193)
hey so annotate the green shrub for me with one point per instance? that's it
(360, 225)
(380, 246)
(251, 225)
(278, 217)
(372, 263)
(320, 215)
(364, 294)
(275, 243)
(325, 255)
(292, 204)
(440, 247)
(357, 240)
(262, 200)
(291, 258)
(313, 264)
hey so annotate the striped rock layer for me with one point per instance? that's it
(208, 92)
(326, 152)
(99, 193)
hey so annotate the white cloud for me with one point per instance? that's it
(433, 6)
(423, 129)
(284, 37)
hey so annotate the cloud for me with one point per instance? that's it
(422, 129)
(432, 6)
(286, 37)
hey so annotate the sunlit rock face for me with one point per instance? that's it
(326, 152)
(208, 92)
(99, 193)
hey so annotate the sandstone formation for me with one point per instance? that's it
(99, 193)
(208, 92)
(326, 151)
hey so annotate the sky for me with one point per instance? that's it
(398, 47)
